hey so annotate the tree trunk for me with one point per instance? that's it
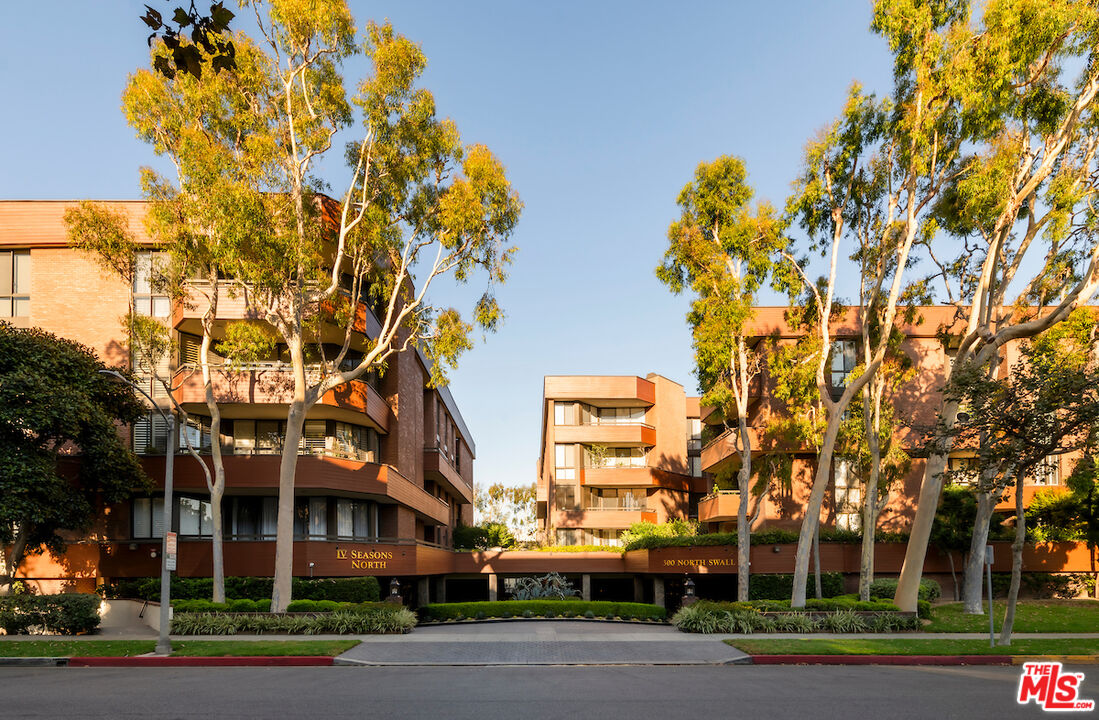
(953, 575)
(816, 564)
(217, 487)
(971, 582)
(1016, 563)
(866, 559)
(284, 534)
(12, 560)
(811, 522)
(743, 527)
(908, 586)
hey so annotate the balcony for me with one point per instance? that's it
(611, 434)
(438, 467)
(721, 506)
(604, 518)
(272, 384)
(600, 389)
(625, 477)
(316, 474)
(721, 452)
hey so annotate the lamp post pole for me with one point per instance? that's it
(163, 643)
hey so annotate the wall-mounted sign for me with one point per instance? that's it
(365, 559)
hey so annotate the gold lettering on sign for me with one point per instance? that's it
(341, 554)
(711, 562)
(366, 559)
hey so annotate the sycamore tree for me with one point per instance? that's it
(417, 205)
(1046, 406)
(1017, 252)
(60, 451)
(721, 250)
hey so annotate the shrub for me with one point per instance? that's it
(366, 618)
(548, 587)
(843, 621)
(353, 589)
(438, 612)
(731, 617)
(482, 537)
(589, 614)
(886, 588)
(67, 614)
(795, 622)
(780, 587)
(1064, 586)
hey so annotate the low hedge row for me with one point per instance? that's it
(930, 590)
(707, 617)
(761, 537)
(246, 606)
(67, 614)
(541, 608)
(780, 587)
(352, 589)
(373, 618)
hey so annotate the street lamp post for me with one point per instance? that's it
(163, 643)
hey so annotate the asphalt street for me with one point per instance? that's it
(455, 693)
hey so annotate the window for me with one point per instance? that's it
(15, 284)
(353, 519)
(357, 441)
(254, 518)
(1048, 471)
(696, 466)
(150, 435)
(564, 497)
(843, 361)
(694, 434)
(570, 536)
(147, 518)
(147, 266)
(564, 413)
(962, 470)
(604, 537)
(616, 499)
(318, 517)
(194, 517)
(848, 497)
(197, 431)
(565, 462)
(590, 415)
(614, 457)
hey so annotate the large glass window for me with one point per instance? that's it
(564, 497)
(353, 519)
(147, 517)
(568, 536)
(694, 434)
(195, 517)
(147, 298)
(565, 461)
(848, 496)
(254, 518)
(614, 499)
(150, 435)
(15, 284)
(1048, 471)
(843, 361)
(614, 457)
(590, 415)
(564, 413)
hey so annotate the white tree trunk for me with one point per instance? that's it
(811, 522)
(974, 566)
(217, 487)
(743, 526)
(284, 533)
(1016, 564)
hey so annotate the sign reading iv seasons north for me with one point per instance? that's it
(365, 559)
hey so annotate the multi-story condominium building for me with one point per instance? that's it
(615, 450)
(386, 460)
(916, 402)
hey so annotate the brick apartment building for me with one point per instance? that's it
(386, 460)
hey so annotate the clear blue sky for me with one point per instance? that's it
(600, 111)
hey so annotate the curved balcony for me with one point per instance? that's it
(439, 468)
(316, 474)
(272, 384)
(721, 452)
(719, 507)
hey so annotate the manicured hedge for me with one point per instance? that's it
(67, 614)
(541, 608)
(353, 589)
(710, 617)
(930, 590)
(780, 587)
(366, 618)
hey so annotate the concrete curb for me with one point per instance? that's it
(882, 659)
(253, 661)
(1065, 659)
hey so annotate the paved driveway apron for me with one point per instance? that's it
(542, 642)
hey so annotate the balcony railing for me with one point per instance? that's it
(611, 423)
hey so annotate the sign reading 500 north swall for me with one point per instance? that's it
(366, 559)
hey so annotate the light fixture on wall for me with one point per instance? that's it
(152, 553)
(776, 549)
(133, 546)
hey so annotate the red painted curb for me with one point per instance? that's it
(254, 661)
(881, 659)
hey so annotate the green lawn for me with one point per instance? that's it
(181, 648)
(219, 648)
(911, 646)
(80, 648)
(1080, 616)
